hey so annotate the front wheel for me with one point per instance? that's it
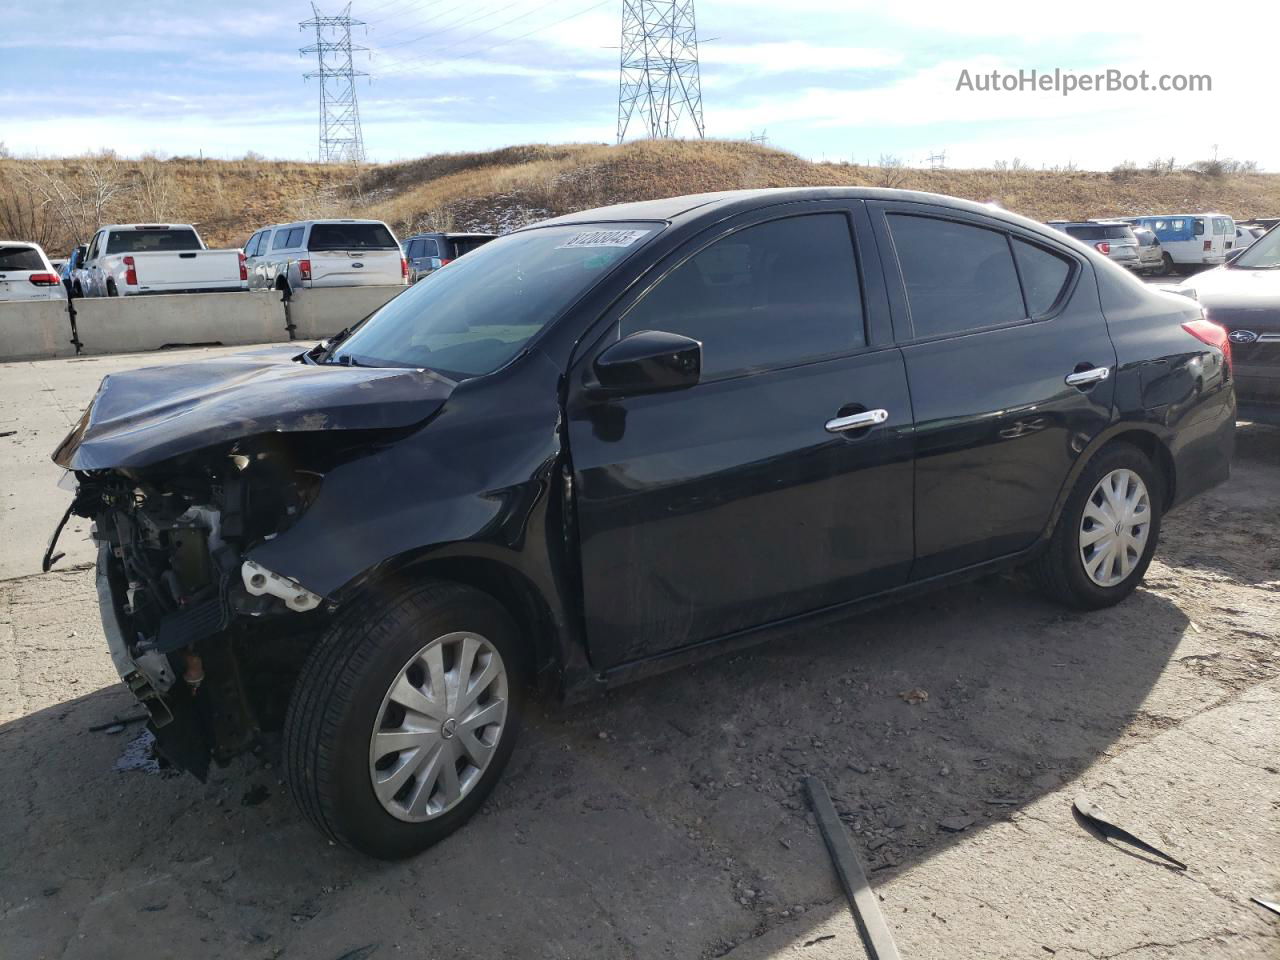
(403, 718)
(1107, 532)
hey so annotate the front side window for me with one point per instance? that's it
(474, 317)
(958, 277)
(769, 295)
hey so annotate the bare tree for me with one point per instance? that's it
(153, 192)
(22, 217)
(78, 193)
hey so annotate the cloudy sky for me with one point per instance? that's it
(828, 79)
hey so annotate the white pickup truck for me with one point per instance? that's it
(136, 258)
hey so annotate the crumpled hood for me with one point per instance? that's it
(145, 416)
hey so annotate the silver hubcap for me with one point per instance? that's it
(1115, 527)
(438, 726)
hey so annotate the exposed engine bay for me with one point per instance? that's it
(187, 605)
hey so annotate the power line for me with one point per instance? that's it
(454, 26)
(658, 72)
(340, 138)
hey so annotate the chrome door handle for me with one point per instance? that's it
(1092, 375)
(868, 418)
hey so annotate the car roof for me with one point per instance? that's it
(728, 202)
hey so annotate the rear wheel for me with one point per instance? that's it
(1107, 532)
(111, 289)
(403, 718)
(1167, 268)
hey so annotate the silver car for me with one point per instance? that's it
(1110, 237)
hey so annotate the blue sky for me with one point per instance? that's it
(847, 80)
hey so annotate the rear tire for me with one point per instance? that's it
(1113, 508)
(111, 290)
(1167, 269)
(351, 710)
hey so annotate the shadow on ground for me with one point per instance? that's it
(664, 820)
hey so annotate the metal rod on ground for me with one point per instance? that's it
(875, 931)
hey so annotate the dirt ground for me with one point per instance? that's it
(667, 819)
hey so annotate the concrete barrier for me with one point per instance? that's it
(34, 329)
(131, 324)
(322, 312)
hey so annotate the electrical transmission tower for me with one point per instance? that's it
(659, 82)
(340, 137)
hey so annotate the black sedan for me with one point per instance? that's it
(1243, 295)
(611, 444)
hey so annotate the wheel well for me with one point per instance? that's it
(515, 592)
(1158, 454)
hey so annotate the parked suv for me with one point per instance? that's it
(609, 444)
(324, 253)
(428, 252)
(27, 274)
(1111, 238)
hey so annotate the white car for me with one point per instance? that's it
(128, 259)
(27, 274)
(1245, 236)
(324, 253)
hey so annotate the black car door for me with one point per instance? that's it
(780, 482)
(1010, 366)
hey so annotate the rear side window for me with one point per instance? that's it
(769, 295)
(1044, 276)
(350, 236)
(20, 258)
(151, 241)
(281, 240)
(430, 248)
(958, 277)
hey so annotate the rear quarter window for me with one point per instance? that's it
(1044, 276)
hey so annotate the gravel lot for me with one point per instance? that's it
(667, 820)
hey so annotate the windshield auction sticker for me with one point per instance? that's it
(604, 238)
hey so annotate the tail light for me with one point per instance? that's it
(1103, 247)
(304, 269)
(445, 261)
(1208, 245)
(44, 279)
(404, 269)
(130, 272)
(244, 271)
(1215, 335)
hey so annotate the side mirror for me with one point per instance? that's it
(650, 361)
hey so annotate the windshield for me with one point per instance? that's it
(350, 236)
(471, 317)
(1262, 254)
(151, 241)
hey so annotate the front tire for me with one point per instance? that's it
(403, 718)
(1107, 533)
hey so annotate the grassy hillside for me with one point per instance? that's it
(504, 189)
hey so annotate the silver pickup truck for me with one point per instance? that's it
(135, 258)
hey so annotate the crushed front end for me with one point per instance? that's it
(205, 639)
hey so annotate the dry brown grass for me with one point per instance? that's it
(505, 188)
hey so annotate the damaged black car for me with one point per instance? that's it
(609, 445)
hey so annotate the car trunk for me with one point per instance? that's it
(160, 272)
(18, 264)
